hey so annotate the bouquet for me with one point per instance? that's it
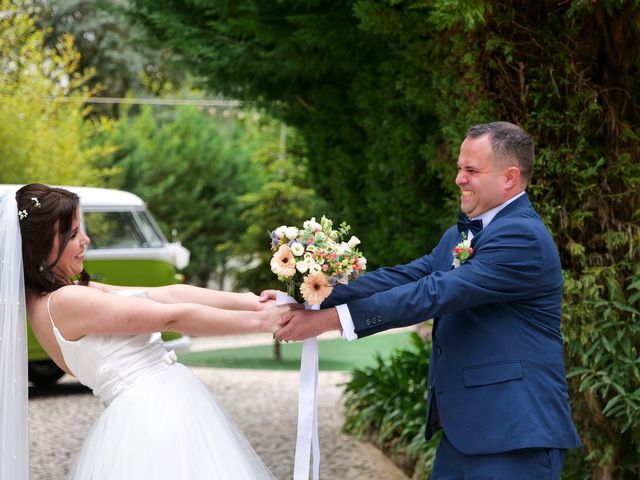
(312, 260)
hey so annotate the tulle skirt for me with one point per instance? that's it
(167, 427)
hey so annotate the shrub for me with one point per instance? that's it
(386, 405)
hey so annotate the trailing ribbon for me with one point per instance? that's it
(307, 436)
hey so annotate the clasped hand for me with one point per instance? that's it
(296, 323)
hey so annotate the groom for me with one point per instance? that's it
(497, 383)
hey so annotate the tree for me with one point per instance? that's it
(310, 64)
(109, 46)
(285, 197)
(45, 135)
(190, 168)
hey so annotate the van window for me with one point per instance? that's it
(148, 228)
(120, 230)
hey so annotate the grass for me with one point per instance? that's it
(334, 354)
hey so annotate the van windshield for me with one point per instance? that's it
(121, 230)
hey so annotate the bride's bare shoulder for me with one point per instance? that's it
(73, 294)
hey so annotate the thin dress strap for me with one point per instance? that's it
(49, 310)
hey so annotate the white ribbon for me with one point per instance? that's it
(307, 436)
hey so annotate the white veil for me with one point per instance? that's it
(14, 428)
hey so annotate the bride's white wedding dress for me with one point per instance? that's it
(160, 421)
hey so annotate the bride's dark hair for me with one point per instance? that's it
(44, 213)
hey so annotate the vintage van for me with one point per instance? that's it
(127, 248)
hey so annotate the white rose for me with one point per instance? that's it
(342, 248)
(312, 225)
(281, 231)
(362, 263)
(291, 233)
(353, 242)
(321, 236)
(302, 266)
(315, 268)
(297, 249)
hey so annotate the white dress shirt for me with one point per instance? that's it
(348, 329)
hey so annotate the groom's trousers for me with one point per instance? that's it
(524, 464)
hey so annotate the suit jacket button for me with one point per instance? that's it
(438, 351)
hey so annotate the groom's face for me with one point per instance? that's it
(482, 184)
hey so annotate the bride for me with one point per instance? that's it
(160, 421)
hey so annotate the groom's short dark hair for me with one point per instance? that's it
(509, 142)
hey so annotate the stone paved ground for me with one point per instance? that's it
(263, 403)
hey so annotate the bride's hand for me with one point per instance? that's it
(278, 316)
(267, 295)
(266, 304)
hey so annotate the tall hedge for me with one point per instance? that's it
(383, 91)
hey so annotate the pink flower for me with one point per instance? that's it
(315, 288)
(282, 263)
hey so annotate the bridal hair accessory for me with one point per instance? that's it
(22, 214)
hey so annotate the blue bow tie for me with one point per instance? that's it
(465, 224)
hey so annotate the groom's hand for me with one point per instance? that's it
(302, 324)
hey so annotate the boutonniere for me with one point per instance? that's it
(462, 252)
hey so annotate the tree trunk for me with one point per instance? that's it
(277, 356)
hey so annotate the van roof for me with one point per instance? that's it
(96, 197)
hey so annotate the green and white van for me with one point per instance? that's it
(127, 248)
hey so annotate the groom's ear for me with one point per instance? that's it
(512, 177)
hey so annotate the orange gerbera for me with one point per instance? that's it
(282, 263)
(315, 288)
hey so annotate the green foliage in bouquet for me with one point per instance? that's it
(386, 405)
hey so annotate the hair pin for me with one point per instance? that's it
(22, 214)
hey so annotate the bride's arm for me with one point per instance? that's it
(83, 311)
(203, 296)
(190, 294)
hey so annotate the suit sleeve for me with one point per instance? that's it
(384, 279)
(506, 266)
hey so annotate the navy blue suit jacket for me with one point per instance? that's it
(496, 366)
